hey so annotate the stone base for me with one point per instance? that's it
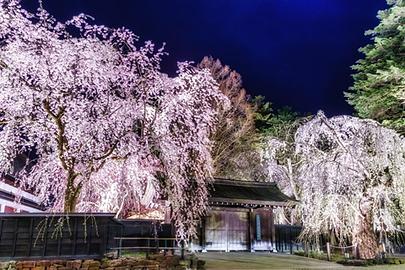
(154, 262)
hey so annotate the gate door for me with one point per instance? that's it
(226, 230)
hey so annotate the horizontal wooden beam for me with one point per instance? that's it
(231, 201)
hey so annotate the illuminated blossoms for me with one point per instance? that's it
(108, 130)
(351, 180)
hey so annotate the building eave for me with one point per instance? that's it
(248, 203)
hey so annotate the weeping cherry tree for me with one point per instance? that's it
(108, 130)
(352, 181)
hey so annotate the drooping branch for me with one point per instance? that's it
(336, 193)
(74, 99)
(108, 152)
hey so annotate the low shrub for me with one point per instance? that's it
(391, 260)
(339, 258)
(354, 262)
(299, 253)
(320, 255)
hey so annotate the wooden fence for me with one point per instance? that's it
(286, 238)
(79, 235)
(49, 235)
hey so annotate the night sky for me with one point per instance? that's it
(294, 52)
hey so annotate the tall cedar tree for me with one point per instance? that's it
(279, 124)
(235, 132)
(379, 82)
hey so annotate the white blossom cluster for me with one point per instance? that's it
(108, 130)
(351, 171)
(276, 171)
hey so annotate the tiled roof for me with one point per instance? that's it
(248, 192)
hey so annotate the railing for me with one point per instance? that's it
(149, 244)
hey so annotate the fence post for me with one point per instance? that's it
(328, 250)
(383, 250)
(182, 250)
(147, 249)
(291, 242)
(157, 244)
(356, 251)
(119, 247)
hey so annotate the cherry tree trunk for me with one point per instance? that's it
(71, 195)
(70, 201)
(365, 239)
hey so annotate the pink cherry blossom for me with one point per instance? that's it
(109, 131)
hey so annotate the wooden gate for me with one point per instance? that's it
(227, 230)
(263, 230)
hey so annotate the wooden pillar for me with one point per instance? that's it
(273, 230)
(202, 234)
(227, 219)
(251, 230)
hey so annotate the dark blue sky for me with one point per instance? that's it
(294, 52)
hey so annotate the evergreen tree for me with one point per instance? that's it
(281, 123)
(379, 82)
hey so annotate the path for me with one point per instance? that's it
(274, 261)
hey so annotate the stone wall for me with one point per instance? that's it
(154, 262)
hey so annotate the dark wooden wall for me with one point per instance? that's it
(147, 233)
(286, 238)
(39, 236)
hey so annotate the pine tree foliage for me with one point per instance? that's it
(277, 130)
(379, 82)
